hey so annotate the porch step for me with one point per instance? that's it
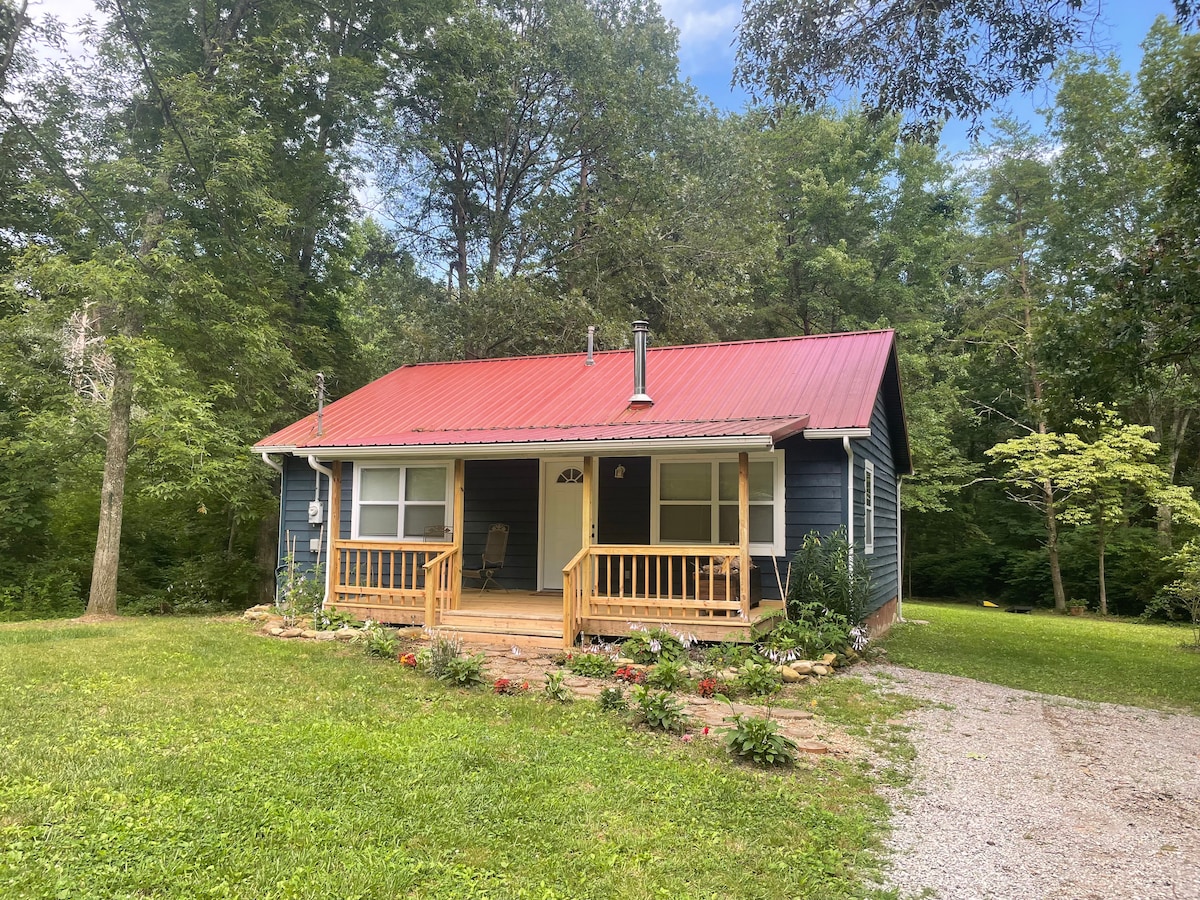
(460, 626)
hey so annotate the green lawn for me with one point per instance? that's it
(1087, 658)
(175, 758)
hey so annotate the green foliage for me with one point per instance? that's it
(50, 594)
(670, 675)
(591, 665)
(333, 619)
(727, 654)
(648, 646)
(612, 699)
(811, 635)
(555, 689)
(758, 679)
(658, 710)
(759, 740)
(1181, 598)
(378, 641)
(462, 671)
(822, 575)
(442, 651)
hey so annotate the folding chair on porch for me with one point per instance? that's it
(493, 558)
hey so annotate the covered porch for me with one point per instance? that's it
(605, 587)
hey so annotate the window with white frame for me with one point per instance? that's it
(400, 502)
(696, 502)
(868, 506)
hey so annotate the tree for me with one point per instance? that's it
(935, 61)
(1100, 482)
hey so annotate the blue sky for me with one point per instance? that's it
(706, 51)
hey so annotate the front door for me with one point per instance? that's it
(562, 518)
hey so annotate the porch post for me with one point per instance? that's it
(460, 498)
(744, 531)
(332, 563)
(589, 468)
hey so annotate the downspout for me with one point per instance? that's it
(278, 467)
(899, 557)
(849, 496)
(328, 473)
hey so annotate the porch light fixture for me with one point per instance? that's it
(619, 472)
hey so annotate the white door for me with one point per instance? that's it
(562, 518)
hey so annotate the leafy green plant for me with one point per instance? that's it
(658, 710)
(612, 698)
(759, 740)
(556, 689)
(727, 654)
(1181, 598)
(668, 675)
(591, 665)
(759, 679)
(822, 575)
(442, 651)
(462, 671)
(299, 593)
(333, 619)
(814, 632)
(378, 641)
(652, 645)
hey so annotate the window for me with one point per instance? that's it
(868, 506)
(696, 502)
(399, 502)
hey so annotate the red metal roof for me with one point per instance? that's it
(771, 388)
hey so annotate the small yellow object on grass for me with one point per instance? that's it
(990, 605)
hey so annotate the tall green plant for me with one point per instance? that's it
(826, 575)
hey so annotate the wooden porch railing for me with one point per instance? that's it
(441, 586)
(675, 584)
(393, 576)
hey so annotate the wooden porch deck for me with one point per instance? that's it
(536, 618)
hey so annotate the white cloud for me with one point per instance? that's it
(704, 27)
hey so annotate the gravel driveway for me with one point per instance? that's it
(1032, 797)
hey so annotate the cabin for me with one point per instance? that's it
(538, 499)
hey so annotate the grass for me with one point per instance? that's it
(1088, 658)
(175, 758)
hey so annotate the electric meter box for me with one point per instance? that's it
(316, 512)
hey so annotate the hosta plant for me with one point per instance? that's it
(658, 710)
(591, 665)
(759, 679)
(556, 689)
(668, 675)
(759, 740)
(612, 698)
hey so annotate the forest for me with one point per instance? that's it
(205, 204)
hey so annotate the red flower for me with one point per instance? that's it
(408, 660)
(630, 675)
(707, 687)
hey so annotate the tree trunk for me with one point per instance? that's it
(1103, 588)
(266, 556)
(102, 600)
(1060, 595)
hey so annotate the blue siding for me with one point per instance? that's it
(502, 490)
(884, 561)
(298, 484)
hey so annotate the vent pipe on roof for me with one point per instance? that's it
(641, 334)
(591, 345)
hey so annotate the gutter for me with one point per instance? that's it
(328, 473)
(613, 447)
(849, 496)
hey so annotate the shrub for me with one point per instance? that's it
(668, 675)
(658, 710)
(463, 671)
(441, 651)
(299, 593)
(555, 689)
(1181, 598)
(332, 619)
(823, 576)
(727, 654)
(653, 645)
(612, 698)
(591, 665)
(759, 741)
(759, 679)
(378, 641)
(814, 632)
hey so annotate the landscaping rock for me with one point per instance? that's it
(290, 632)
(791, 676)
(325, 636)
(623, 661)
(814, 747)
(728, 675)
(821, 670)
(346, 634)
(256, 615)
(276, 631)
(802, 667)
(830, 659)
(310, 633)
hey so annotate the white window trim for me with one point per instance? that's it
(776, 548)
(403, 466)
(868, 507)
